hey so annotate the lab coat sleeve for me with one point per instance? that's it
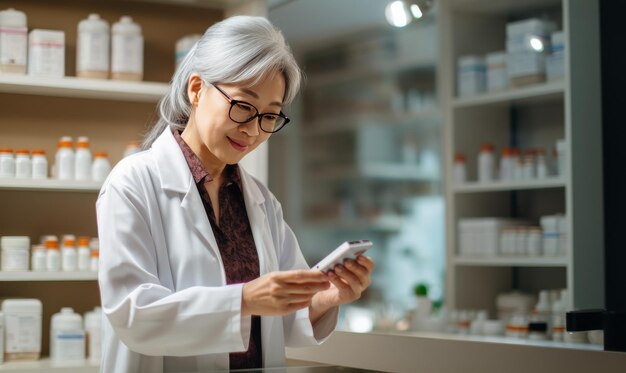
(148, 317)
(298, 329)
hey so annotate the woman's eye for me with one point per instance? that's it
(270, 117)
(244, 107)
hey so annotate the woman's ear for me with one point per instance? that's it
(194, 88)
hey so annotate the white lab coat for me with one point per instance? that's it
(164, 295)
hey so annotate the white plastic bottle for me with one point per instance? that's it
(39, 164)
(82, 163)
(84, 254)
(67, 336)
(558, 317)
(65, 159)
(23, 164)
(7, 163)
(38, 258)
(95, 260)
(93, 330)
(101, 166)
(46, 53)
(69, 261)
(542, 165)
(543, 310)
(53, 257)
(486, 163)
(13, 41)
(131, 148)
(184, 45)
(92, 48)
(127, 50)
(15, 253)
(459, 171)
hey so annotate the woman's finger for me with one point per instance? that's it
(353, 280)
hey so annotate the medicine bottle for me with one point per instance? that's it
(101, 166)
(533, 241)
(69, 255)
(67, 336)
(542, 164)
(7, 163)
(95, 255)
(516, 164)
(93, 331)
(84, 254)
(13, 41)
(184, 45)
(22, 328)
(15, 253)
(38, 258)
(53, 257)
(529, 167)
(82, 164)
(459, 171)
(538, 330)
(92, 48)
(131, 148)
(46, 53)
(39, 164)
(65, 159)
(127, 50)
(486, 163)
(23, 165)
(506, 164)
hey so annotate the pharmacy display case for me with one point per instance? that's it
(363, 158)
(36, 112)
(536, 113)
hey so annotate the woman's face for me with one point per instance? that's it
(221, 139)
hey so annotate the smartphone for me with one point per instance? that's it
(347, 250)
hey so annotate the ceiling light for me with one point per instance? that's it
(397, 14)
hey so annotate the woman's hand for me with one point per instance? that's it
(348, 283)
(281, 293)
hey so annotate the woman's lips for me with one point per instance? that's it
(239, 146)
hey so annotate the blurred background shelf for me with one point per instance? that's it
(83, 88)
(535, 93)
(48, 276)
(499, 186)
(511, 262)
(50, 185)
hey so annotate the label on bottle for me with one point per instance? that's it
(93, 51)
(13, 45)
(23, 333)
(68, 345)
(127, 52)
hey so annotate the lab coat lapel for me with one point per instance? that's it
(271, 327)
(175, 176)
(256, 209)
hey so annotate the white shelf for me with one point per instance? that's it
(381, 171)
(49, 185)
(83, 88)
(511, 261)
(501, 6)
(534, 93)
(7, 276)
(46, 365)
(426, 119)
(355, 72)
(502, 186)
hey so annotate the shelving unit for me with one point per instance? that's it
(529, 116)
(50, 185)
(46, 365)
(6, 276)
(37, 111)
(83, 88)
(378, 171)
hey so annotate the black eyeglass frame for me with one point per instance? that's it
(234, 102)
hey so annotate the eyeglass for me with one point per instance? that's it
(243, 112)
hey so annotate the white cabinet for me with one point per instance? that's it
(530, 116)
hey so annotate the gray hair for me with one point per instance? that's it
(241, 49)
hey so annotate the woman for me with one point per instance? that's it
(198, 270)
